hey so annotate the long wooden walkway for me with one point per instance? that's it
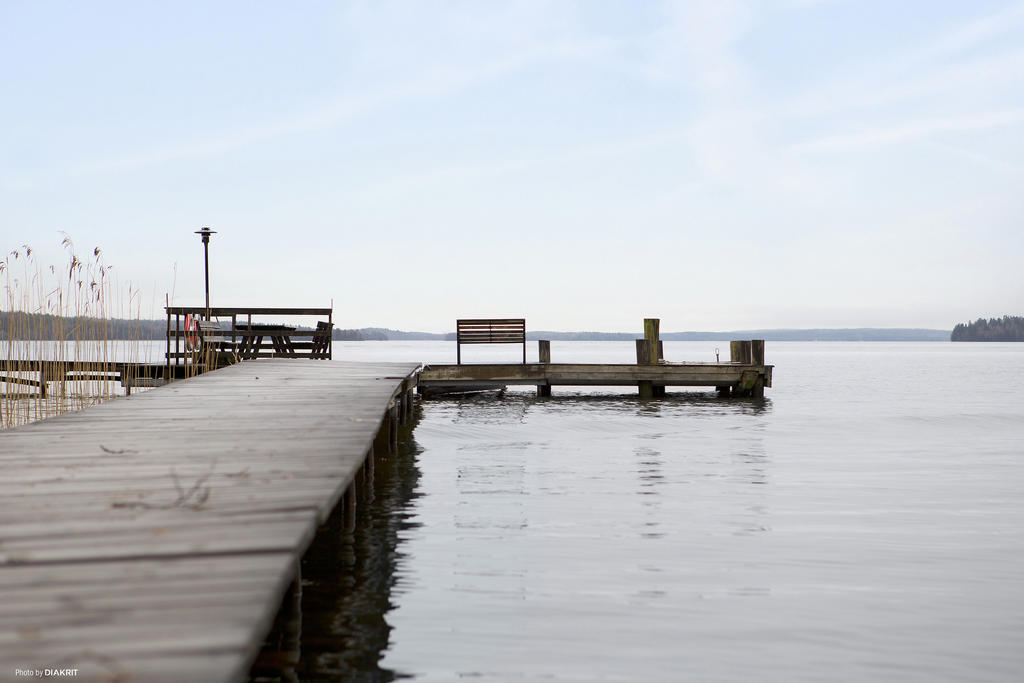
(151, 538)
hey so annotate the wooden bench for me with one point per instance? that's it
(321, 348)
(214, 346)
(489, 331)
(211, 333)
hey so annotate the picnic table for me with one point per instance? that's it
(254, 333)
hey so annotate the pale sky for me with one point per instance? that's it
(721, 165)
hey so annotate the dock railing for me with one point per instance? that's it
(242, 338)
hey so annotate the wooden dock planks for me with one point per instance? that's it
(152, 537)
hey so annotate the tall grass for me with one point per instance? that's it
(62, 314)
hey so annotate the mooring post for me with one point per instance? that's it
(643, 357)
(739, 352)
(643, 354)
(651, 334)
(654, 353)
(544, 356)
(544, 350)
(757, 351)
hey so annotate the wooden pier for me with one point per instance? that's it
(151, 538)
(207, 345)
(41, 373)
(728, 378)
(745, 375)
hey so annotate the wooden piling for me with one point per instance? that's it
(757, 351)
(643, 357)
(167, 373)
(651, 326)
(402, 406)
(350, 508)
(382, 441)
(368, 478)
(393, 428)
(649, 351)
(544, 350)
(282, 647)
(643, 352)
(739, 352)
(407, 402)
(544, 356)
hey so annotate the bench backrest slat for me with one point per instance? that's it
(489, 331)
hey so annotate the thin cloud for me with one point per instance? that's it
(908, 75)
(915, 130)
(436, 83)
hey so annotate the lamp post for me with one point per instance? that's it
(205, 234)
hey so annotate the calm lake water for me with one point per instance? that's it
(865, 521)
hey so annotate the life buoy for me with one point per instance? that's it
(191, 340)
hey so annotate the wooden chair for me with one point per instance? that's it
(322, 341)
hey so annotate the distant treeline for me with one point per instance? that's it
(23, 326)
(1009, 328)
(851, 334)
(384, 334)
(848, 334)
(39, 326)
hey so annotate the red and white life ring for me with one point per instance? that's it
(191, 339)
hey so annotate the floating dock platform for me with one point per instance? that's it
(728, 378)
(745, 375)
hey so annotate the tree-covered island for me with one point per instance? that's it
(1009, 328)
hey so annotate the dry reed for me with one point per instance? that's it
(75, 320)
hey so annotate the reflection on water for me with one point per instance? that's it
(488, 408)
(332, 625)
(556, 531)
